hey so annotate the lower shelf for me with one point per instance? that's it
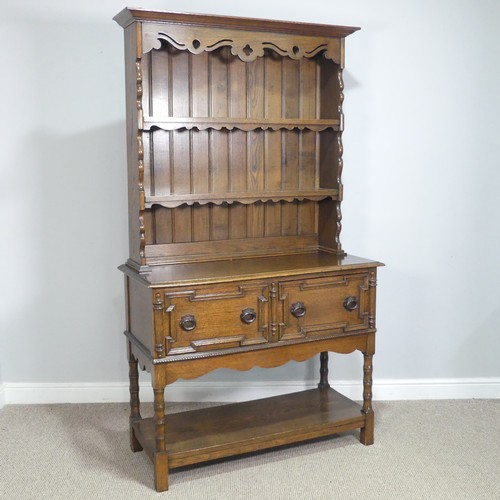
(222, 431)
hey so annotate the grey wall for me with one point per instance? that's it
(421, 179)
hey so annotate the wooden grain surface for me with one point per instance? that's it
(128, 15)
(221, 431)
(314, 263)
(234, 129)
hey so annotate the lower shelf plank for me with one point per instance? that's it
(232, 429)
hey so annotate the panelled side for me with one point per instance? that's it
(140, 313)
(133, 101)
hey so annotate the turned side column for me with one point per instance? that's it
(323, 371)
(160, 455)
(135, 404)
(367, 432)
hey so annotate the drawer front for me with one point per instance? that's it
(206, 318)
(319, 307)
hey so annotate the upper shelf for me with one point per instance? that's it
(246, 124)
(176, 200)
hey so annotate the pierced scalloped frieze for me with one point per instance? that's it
(246, 45)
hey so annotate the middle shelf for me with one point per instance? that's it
(212, 166)
(245, 124)
(246, 198)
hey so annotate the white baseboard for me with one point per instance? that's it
(2, 396)
(439, 388)
(183, 391)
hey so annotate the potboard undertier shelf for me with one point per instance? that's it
(211, 433)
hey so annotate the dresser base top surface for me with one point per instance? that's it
(251, 268)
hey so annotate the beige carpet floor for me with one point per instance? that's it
(423, 450)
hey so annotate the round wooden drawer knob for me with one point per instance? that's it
(188, 322)
(351, 303)
(248, 315)
(298, 309)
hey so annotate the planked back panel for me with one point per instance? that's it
(218, 84)
(192, 161)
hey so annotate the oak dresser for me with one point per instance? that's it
(234, 133)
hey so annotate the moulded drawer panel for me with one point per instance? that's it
(204, 318)
(330, 305)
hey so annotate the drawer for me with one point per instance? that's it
(212, 317)
(319, 307)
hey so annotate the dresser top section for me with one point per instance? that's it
(219, 271)
(129, 15)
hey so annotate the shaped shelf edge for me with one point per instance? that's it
(173, 201)
(245, 124)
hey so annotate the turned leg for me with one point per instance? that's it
(160, 456)
(135, 405)
(323, 371)
(366, 436)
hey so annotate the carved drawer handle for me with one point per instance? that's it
(188, 322)
(298, 309)
(248, 315)
(351, 303)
